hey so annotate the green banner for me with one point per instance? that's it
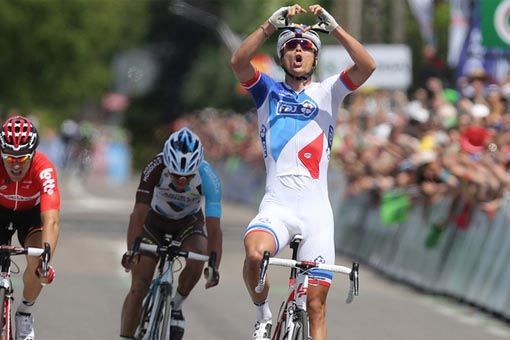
(496, 23)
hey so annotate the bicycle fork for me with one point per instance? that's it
(162, 302)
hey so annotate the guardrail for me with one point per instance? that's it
(469, 264)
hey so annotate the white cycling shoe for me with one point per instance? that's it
(24, 327)
(262, 330)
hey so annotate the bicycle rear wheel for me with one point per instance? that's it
(5, 320)
(301, 331)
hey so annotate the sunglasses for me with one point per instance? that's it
(305, 44)
(17, 158)
(178, 177)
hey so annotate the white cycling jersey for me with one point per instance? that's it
(296, 128)
(156, 188)
(296, 131)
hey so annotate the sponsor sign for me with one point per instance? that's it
(496, 23)
(394, 65)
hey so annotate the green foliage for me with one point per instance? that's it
(441, 25)
(210, 81)
(57, 54)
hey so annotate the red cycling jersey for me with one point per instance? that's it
(38, 186)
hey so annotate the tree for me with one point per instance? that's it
(56, 55)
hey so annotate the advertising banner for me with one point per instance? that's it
(496, 23)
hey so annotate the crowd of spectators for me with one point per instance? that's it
(435, 142)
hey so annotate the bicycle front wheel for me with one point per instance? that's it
(148, 306)
(281, 326)
(301, 331)
(160, 329)
(5, 320)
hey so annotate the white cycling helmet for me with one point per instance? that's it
(297, 33)
(183, 153)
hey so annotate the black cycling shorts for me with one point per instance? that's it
(25, 222)
(156, 226)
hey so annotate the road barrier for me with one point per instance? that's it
(470, 264)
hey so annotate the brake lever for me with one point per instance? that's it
(45, 258)
(262, 274)
(354, 277)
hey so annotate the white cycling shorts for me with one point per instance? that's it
(299, 205)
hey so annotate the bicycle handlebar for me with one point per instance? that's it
(13, 250)
(161, 250)
(294, 26)
(307, 265)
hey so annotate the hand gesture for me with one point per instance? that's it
(326, 21)
(282, 17)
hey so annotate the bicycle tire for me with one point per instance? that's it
(301, 331)
(153, 332)
(5, 322)
(165, 325)
(158, 331)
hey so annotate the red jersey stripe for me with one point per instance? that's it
(348, 81)
(252, 81)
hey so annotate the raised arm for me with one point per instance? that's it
(241, 58)
(364, 64)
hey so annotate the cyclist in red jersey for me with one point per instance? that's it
(29, 204)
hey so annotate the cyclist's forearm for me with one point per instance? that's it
(241, 59)
(364, 62)
(215, 237)
(136, 221)
(50, 228)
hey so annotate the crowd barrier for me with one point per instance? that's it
(468, 264)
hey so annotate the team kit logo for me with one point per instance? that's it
(49, 184)
(304, 109)
(502, 21)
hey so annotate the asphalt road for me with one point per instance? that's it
(85, 300)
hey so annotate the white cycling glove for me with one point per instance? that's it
(279, 18)
(326, 22)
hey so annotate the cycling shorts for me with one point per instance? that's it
(156, 226)
(25, 222)
(299, 205)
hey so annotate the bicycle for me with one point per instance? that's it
(6, 289)
(293, 323)
(155, 318)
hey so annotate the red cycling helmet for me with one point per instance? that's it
(19, 134)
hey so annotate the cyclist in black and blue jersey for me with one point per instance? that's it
(169, 201)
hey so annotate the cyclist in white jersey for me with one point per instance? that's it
(169, 201)
(296, 125)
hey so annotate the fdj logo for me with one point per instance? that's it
(291, 108)
(263, 131)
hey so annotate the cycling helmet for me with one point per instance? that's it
(19, 134)
(290, 34)
(182, 153)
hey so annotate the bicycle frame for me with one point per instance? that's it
(158, 298)
(296, 301)
(155, 318)
(292, 317)
(6, 289)
(7, 298)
